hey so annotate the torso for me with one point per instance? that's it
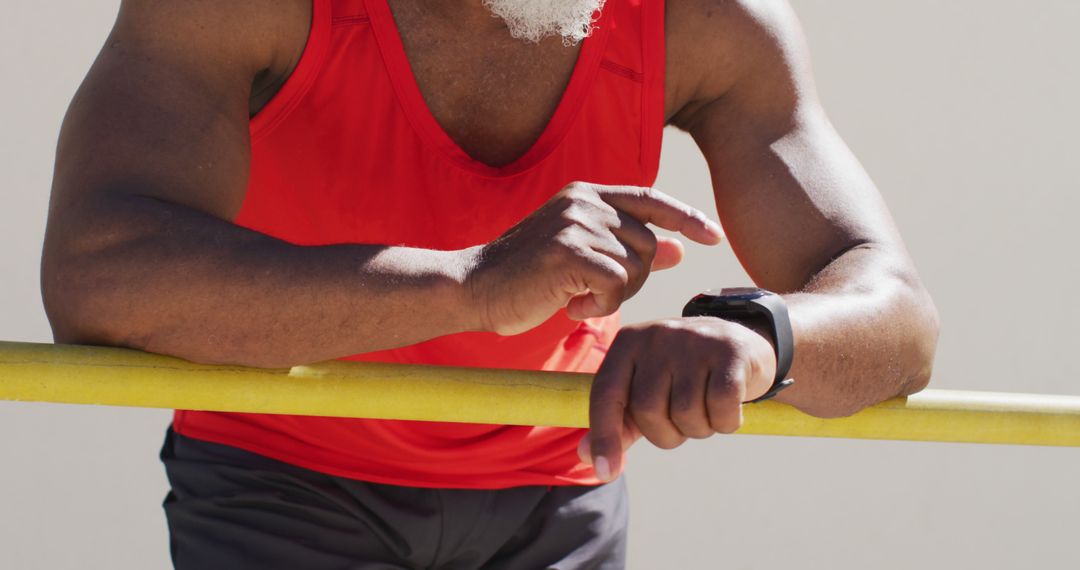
(349, 152)
(491, 93)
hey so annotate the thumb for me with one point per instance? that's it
(669, 253)
(629, 435)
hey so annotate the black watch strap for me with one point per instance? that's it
(734, 304)
(776, 388)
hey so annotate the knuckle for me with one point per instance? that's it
(610, 275)
(688, 413)
(694, 428)
(725, 399)
(728, 422)
(633, 261)
(648, 409)
(607, 395)
(561, 201)
(608, 215)
(656, 413)
(737, 369)
(693, 214)
(723, 389)
(720, 402)
(683, 406)
(640, 255)
(668, 441)
(601, 444)
(728, 426)
(692, 423)
(595, 216)
(578, 188)
(617, 273)
(650, 242)
(626, 339)
(607, 304)
(622, 342)
(575, 213)
(635, 283)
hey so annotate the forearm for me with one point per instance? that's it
(865, 331)
(156, 276)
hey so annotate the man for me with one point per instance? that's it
(276, 182)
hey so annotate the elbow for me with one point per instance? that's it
(74, 310)
(909, 368)
(99, 303)
(911, 365)
(81, 317)
(833, 409)
(98, 288)
(91, 297)
(903, 369)
(922, 343)
(82, 310)
(82, 277)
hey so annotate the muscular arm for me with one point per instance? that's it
(802, 216)
(805, 221)
(151, 166)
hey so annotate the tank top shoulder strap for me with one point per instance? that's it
(302, 77)
(635, 50)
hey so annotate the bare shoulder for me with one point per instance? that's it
(253, 36)
(718, 47)
(171, 91)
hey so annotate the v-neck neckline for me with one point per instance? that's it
(427, 126)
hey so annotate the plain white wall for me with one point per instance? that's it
(963, 111)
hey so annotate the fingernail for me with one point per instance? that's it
(583, 450)
(602, 468)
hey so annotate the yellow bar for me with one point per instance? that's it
(121, 377)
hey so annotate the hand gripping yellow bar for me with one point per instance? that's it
(121, 377)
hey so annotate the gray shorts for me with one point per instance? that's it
(233, 509)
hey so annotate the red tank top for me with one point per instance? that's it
(348, 152)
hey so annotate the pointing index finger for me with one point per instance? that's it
(651, 206)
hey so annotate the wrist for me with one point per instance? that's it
(761, 327)
(764, 356)
(466, 298)
(762, 315)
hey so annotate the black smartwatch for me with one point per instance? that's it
(746, 304)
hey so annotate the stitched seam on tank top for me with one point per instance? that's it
(622, 71)
(654, 66)
(350, 20)
(303, 83)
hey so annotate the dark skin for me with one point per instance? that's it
(152, 166)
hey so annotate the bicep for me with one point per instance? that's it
(791, 205)
(789, 192)
(162, 113)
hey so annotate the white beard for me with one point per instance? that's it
(534, 20)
